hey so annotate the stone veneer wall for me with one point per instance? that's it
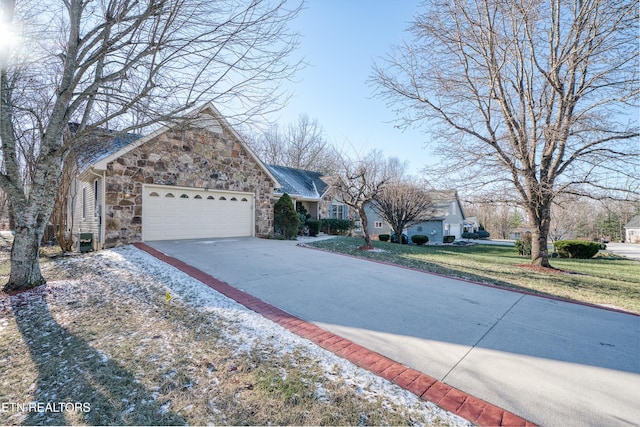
(187, 158)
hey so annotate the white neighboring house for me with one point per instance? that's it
(632, 230)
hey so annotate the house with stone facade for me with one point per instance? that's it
(195, 179)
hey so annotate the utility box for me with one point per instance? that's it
(86, 242)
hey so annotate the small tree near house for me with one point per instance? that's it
(285, 218)
(403, 204)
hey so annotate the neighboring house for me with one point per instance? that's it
(519, 232)
(447, 219)
(632, 230)
(471, 224)
(195, 180)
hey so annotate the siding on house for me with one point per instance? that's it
(632, 230)
(86, 212)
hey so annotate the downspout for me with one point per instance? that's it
(102, 208)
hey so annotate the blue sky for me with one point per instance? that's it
(340, 39)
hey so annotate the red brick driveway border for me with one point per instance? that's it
(425, 387)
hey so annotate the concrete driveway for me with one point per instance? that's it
(553, 363)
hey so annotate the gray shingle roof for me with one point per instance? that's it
(634, 223)
(101, 146)
(299, 182)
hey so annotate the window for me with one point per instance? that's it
(84, 202)
(338, 211)
(184, 196)
(169, 195)
(378, 224)
(96, 188)
(154, 194)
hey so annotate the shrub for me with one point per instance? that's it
(580, 249)
(419, 239)
(405, 239)
(336, 226)
(285, 218)
(384, 237)
(468, 235)
(482, 234)
(448, 239)
(314, 227)
(524, 245)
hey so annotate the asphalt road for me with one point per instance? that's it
(551, 362)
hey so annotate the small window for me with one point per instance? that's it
(84, 202)
(233, 199)
(96, 202)
(154, 194)
(244, 199)
(184, 196)
(197, 196)
(211, 198)
(222, 198)
(378, 224)
(169, 195)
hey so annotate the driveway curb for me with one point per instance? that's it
(425, 387)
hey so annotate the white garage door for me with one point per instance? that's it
(187, 213)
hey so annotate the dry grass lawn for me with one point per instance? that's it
(102, 333)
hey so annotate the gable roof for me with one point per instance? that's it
(206, 117)
(299, 182)
(441, 201)
(634, 223)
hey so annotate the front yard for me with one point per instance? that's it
(603, 280)
(119, 338)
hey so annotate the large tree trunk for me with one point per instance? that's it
(25, 266)
(541, 220)
(31, 216)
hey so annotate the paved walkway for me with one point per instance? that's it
(549, 362)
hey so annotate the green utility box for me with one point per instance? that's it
(86, 242)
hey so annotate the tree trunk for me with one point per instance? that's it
(365, 228)
(540, 234)
(25, 266)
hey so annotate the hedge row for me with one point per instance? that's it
(580, 249)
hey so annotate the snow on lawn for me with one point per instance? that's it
(128, 277)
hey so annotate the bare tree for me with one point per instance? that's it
(403, 204)
(360, 181)
(301, 145)
(533, 95)
(122, 64)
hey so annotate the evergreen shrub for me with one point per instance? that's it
(580, 249)
(482, 234)
(285, 218)
(419, 239)
(314, 227)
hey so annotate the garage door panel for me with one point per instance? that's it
(171, 213)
